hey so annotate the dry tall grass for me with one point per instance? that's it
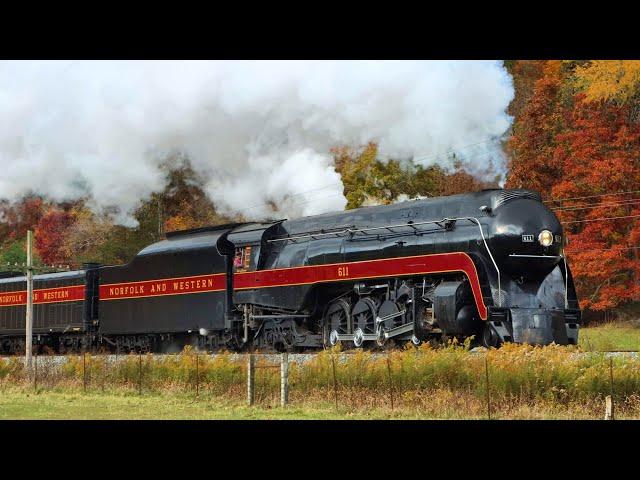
(523, 380)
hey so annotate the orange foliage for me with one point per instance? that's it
(600, 154)
(533, 142)
(50, 233)
(525, 73)
(565, 145)
(21, 216)
(179, 222)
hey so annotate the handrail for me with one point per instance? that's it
(484, 240)
(359, 230)
(566, 283)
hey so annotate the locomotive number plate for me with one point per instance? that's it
(527, 238)
(343, 271)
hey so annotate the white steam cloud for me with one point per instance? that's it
(259, 132)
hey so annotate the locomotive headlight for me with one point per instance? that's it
(545, 238)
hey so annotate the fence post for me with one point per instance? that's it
(610, 409)
(250, 379)
(104, 371)
(390, 382)
(35, 373)
(335, 380)
(84, 371)
(486, 370)
(140, 373)
(197, 375)
(284, 380)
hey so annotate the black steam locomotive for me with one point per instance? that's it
(488, 264)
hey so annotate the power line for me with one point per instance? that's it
(567, 250)
(596, 205)
(590, 196)
(602, 219)
(454, 149)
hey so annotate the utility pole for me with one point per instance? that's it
(29, 318)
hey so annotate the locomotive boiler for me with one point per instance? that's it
(488, 265)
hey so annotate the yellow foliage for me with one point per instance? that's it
(552, 68)
(609, 80)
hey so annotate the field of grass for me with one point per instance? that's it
(515, 381)
(58, 405)
(611, 336)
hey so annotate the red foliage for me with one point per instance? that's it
(50, 233)
(22, 216)
(566, 147)
(533, 142)
(600, 152)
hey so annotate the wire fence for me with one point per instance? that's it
(443, 382)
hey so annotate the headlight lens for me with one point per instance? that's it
(545, 238)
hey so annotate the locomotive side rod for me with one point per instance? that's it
(394, 332)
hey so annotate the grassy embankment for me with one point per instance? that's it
(612, 336)
(440, 405)
(524, 382)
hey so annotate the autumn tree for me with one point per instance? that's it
(525, 74)
(50, 233)
(614, 81)
(183, 203)
(600, 153)
(19, 216)
(577, 140)
(87, 239)
(533, 142)
(368, 180)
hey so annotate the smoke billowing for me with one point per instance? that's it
(259, 132)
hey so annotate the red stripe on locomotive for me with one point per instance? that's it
(305, 275)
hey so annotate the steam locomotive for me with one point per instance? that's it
(488, 264)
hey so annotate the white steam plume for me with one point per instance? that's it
(258, 131)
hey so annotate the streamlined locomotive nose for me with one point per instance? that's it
(526, 237)
(527, 242)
